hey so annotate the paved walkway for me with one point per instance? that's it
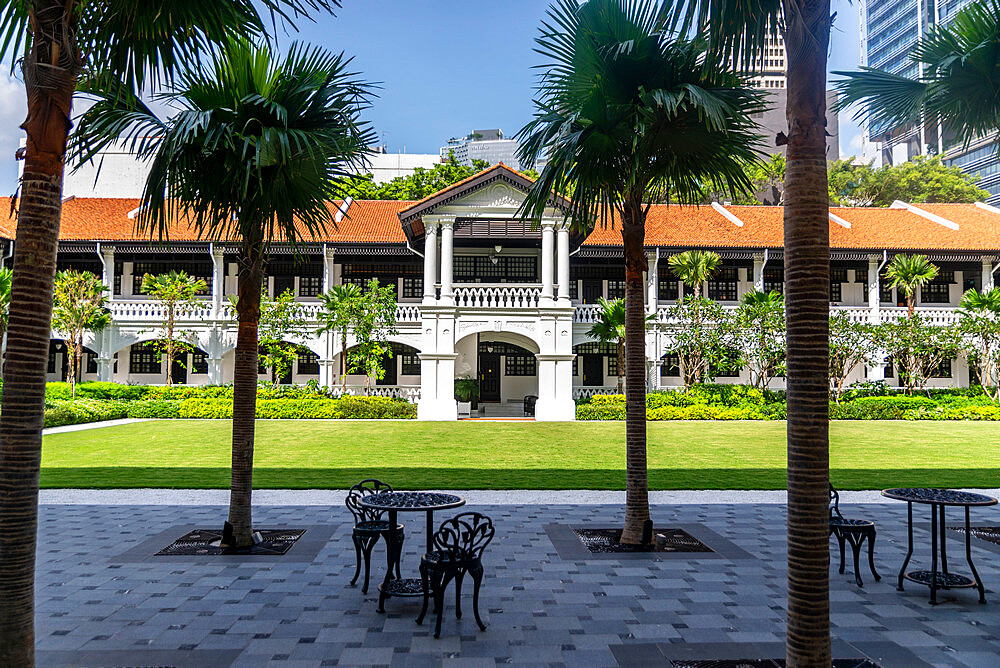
(103, 599)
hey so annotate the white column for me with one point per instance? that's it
(874, 288)
(218, 281)
(108, 275)
(758, 272)
(547, 230)
(988, 279)
(447, 260)
(437, 387)
(876, 372)
(652, 281)
(430, 262)
(329, 270)
(562, 250)
(555, 389)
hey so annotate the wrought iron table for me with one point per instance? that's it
(937, 499)
(397, 502)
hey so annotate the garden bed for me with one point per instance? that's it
(96, 402)
(740, 402)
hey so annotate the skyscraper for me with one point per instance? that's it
(889, 29)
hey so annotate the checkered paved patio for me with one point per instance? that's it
(104, 599)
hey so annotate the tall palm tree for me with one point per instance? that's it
(694, 267)
(54, 42)
(627, 114)
(340, 304)
(259, 146)
(739, 30)
(957, 82)
(909, 272)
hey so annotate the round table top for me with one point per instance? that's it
(944, 497)
(407, 501)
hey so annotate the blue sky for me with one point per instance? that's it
(446, 67)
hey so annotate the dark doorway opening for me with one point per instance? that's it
(282, 283)
(593, 370)
(593, 289)
(178, 370)
(390, 364)
(489, 376)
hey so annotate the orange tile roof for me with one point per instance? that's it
(106, 219)
(370, 221)
(871, 228)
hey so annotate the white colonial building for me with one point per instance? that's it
(482, 294)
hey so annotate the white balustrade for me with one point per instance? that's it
(497, 296)
(853, 313)
(153, 311)
(407, 313)
(409, 393)
(588, 392)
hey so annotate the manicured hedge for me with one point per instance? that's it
(741, 402)
(59, 412)
(96, 402)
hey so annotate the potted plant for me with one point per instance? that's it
(467, 394)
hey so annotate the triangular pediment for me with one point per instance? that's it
(498, 187)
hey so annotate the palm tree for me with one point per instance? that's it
(626, 115)
(739, 30)
(909, 272)
(956, 86)
(175, 290)
(694, 267)
(339, 311)
(611, 329)
(260, 144)
(53, 42)
(982, 301)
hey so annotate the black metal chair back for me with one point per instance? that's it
(359, 492)
(834, 502)
(465, 535)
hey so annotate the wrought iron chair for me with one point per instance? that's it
(856, 532)
(369, 527)
(458, 549)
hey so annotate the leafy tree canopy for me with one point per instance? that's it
(421, 183)
(923, 179)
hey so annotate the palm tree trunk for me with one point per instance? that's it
(29, 325)
(343, 363)
(621, 363)
(807, 276)
(636, 485)
(251, 263)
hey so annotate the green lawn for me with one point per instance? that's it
(525, 455)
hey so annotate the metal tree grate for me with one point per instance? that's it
(665, 540)
(206, 542)
(764, 663)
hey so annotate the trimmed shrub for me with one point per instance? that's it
(59, 412)
(878, 408)
(601, 411)
(154, 408)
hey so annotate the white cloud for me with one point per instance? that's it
(13, 108)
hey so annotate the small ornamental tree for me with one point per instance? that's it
(980, 327)
(340, 305)
(79, 306)
(851, 345)
(374, 322)
(281, 319)
(702, 339)
(759, 335)
(919, 349)
(177, 291)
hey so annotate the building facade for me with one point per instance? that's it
(889, 29)
(489, 146)
(482, 294)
